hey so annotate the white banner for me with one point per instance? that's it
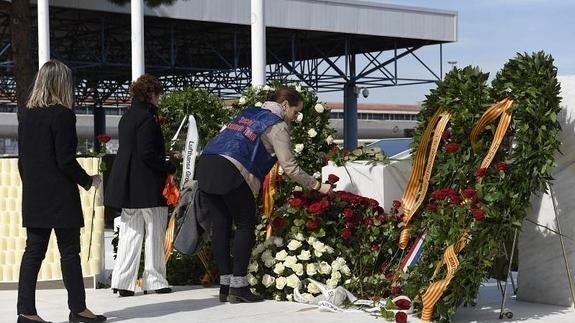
(190, 152)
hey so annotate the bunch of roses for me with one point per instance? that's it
(278, 267)
(356, 226)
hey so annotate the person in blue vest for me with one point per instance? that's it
(230, 173)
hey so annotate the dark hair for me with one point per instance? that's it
(286, 93)
(145, 86)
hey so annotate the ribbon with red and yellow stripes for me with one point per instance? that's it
(268, 190)
(436, 289)
(418, 182)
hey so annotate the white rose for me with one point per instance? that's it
(281, 256)
(290, 261)
(278, 241)
(253, 267)
(266, 255)
(312, 133)
(269, 262)
(299, 117)
(299, 236)
(338, 263)
(292, 281)
(289, 298)
(317, 175)
(279, 268)
(345, 270)
(297, 188)
(242, 100)
(319, 246)
(252, 280)
(329, 140)
(319, 108)
(311, 269)
(312, 288)
(304, 255)
(258, 104)
(298, 88)
(336, 275)
(311, 240)
(293, 245)
(331, 283)
(324, 268)
(298, 148)
(308, 298)
(329, 249)
(267, 280)
(280, 282)
(298, 269)
(266, 88)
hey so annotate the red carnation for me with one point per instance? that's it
(469, 192)
(501, 166)
(478, 214)
(332, 179)
(103, 138)
(400, 317)
(455, 200)
(346, 233)
(451, 147)
(277, 222)
(396, 203)
(295, 202)
(312, 224)
(481, 172)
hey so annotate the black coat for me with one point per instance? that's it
(49, 170)
(139, 172)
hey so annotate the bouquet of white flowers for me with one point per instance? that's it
(279, 266)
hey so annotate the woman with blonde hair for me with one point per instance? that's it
(50, 176)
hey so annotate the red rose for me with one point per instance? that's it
(446, 135)
(396, 203)
(346, 233)
(277, 222)
(403, 304)
(103, 138)
(295, 202)
(347, 213)
(372, 203)
(332, 179)
(481, 172)
(368, 221)
(455, 200)
(396, 291)
(439, 195)
(478, 214)
(324, 204)
(315, 208)
(451, 147)
(501, 166)
(312, 224)
(469, 192)
(400, 317)
(382, 218)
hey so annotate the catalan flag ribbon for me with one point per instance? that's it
(414, 253)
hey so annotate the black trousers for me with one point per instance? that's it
(36, 246)
(236, 208)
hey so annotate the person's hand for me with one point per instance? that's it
(96, 180)
(325, 188)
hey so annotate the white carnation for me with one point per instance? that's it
(294, 245)
(304, 255)
(281, 256)
(319, 108)
(329, 140)
(267, 280)
(298, 148)
(311, 133)
(279, 268)
(280, 282)
(292, 281)
(311, 269)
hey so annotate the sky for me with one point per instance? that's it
(490, 32)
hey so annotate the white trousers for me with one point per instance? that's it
(135, 224)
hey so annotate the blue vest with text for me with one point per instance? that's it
(241, 140)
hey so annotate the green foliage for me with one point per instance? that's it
(521, 167)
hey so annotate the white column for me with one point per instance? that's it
(258, 43)
(43, 32)
(137, 14)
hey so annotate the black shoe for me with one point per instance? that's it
(22, 319)
(243, 295)
(125, 293)
(224, 291)
(165, 290)
(73, 318)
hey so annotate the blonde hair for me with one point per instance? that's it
(52, 85)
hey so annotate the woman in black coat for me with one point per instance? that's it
(135, 185)
(50, 198)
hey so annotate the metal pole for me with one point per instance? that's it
(258, 39)
(567, 269)
(137, 14)
(43, 32)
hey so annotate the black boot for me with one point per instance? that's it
(224, 291)
(243, 295)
